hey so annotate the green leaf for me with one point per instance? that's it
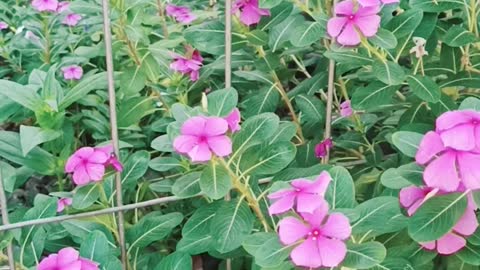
(268, 158)
(135, 167)
(405, 23)
(470, 103)
(52, 91)
(388, 72)
(86, 196)
(437, 6)
(257, 37)
(132, 110)
(255, 130)
(312, 109)
(266, 249)
(392, 179)
(278, 15)
(458, 36)
(365, 255)
(163, 164)
(215, 181)
(474, 239)
(407, 142)
(411, 172)
(341, 191)
(175, 261)
(285, 132)
(96, 248)
(283, 32)
(132, 80)
(307, 33)
(231, 225)
(378, 216)
(393, 264)
(384, 39)
(268, 3)
(196, 235)
(437, 216)
(222, 102)
(424, 88)
(37, 159)
(80, 229)
(264, 100)
(470, 254)
(186, 186)
(463, 78)
(162, 143)
(85, 86)
(152, 228)
(8, 175)
(372, 96)
(23, 95)
(352, 58)
(33, 136)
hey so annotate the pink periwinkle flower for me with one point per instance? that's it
(71, 19)
(350, 23)
(66, 259)
(460, 130)
(455, 240)
(200, 136)
(190, 66)
(233, 120)
(63, 6)
(447, 168)
(112, 160)
(413, 197)
(88, 164)
(307, 194)
(346, 109)
(180, 13)
(323, 237)
(371, 3)
(3, 25)
(250, 13)
(62, 203)
(73, 72)
(321, 149)
(45, 5)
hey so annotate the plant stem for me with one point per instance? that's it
(245, 191)
(161, 13)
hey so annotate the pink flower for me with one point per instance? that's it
(113, 160)
(454, 240)
(73, 72)
(63, 6)
(323, 147)
(371, 3)
(200, 136)
(250, 13)
(71, 19)
(413, 197)
(447, 168)
(45, 5)
(351, 22)
(233, 120)
(66, 259)
(322, 236)
(307, 194)
(189, 66)
(87, 164)
(180, 13)
(453, 125)
(346, 109)
(62, 203)
(3, 25)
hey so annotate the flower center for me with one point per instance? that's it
(314, 234)
(474, 122)
(202, 139)
(351, 17)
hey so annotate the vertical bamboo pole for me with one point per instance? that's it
(5, 220)
(113, 125)
(228, 69)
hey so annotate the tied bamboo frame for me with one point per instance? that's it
(120, 208)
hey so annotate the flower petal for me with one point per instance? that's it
(345, 8)
(469, 169)
(307, 203)
(335, 25)
(200, 153)
(220, 145)
(450, 244)
(453, 118)
(250, 15)
(48, 263)
(337, 226)
(409, 195)
(307, 254)
(369, 3)
(194, 126)
(99, 157)
(320, 185)
(185, 143)
(349, 36)
(430, 145)
(442, 172)
(316, 218)
(95, 171)
(332, 251)
(368, 25)
(290, 230)
(216, 126)
(467, 224)
(80, 176)
(72, 162)
(66, 256)
(461, 137)
(282, 205)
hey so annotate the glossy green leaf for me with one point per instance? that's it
(424, 88)
(407, 142)
(365, 255)
(215, 181)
